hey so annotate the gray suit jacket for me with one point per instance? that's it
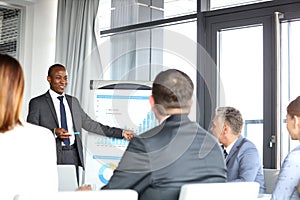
(157, 163)
(42, 112)
(244, 164)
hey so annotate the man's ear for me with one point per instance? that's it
(226, 129)
(296, 121)
(49, 79)
(151, 101)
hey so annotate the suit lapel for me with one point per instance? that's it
(69, 100)
(234, 149)
(51, 106)
(77, 137)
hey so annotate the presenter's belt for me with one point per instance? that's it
(72, 147)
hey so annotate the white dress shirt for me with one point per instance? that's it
(56, 103)
(228, 149)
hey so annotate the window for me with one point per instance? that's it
(140, 55)
(9, 30)
(218, 4)
(242, 42)
(290, 81)
(241, 77)
(118, 13)
(142, 51)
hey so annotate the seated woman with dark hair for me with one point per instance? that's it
(287, 183)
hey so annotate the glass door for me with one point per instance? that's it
(247, 74)
(240, 77)
(290, 51)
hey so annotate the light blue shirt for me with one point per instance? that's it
(288, 178)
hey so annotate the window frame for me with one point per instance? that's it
(260, 13)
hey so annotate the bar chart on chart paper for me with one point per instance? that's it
(147, 123)
(127, 109)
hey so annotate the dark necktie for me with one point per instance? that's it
(224, 152)
(63, 119)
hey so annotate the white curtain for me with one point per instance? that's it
(76, 46)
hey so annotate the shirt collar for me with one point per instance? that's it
(228, 149)
(164, 118)
(53, 94)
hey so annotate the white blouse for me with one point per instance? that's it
(28, 161)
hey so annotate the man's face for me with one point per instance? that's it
(58, 79)
(216, 129)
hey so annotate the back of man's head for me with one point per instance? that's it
(172, 89)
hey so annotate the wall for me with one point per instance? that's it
(37, 50)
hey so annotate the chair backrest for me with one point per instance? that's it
(217, 191)
(67, 179)
(270, 176)
(124, 194)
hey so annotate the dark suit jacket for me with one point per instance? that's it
(42, 112)
(244, 164)
(157, 163)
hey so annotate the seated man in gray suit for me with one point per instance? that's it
(241, 155)
(178, 151)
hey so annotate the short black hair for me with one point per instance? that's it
(52, 66)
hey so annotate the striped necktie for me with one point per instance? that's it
(224, 151)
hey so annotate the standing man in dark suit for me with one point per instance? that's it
(63, 115)
(178, 151)
(242, 158)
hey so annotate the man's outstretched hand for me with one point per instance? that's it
(128, 135)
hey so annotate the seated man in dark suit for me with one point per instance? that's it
(178, 151)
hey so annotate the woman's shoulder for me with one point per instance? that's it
(295, 151)
(35, 129)
(293, 156)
